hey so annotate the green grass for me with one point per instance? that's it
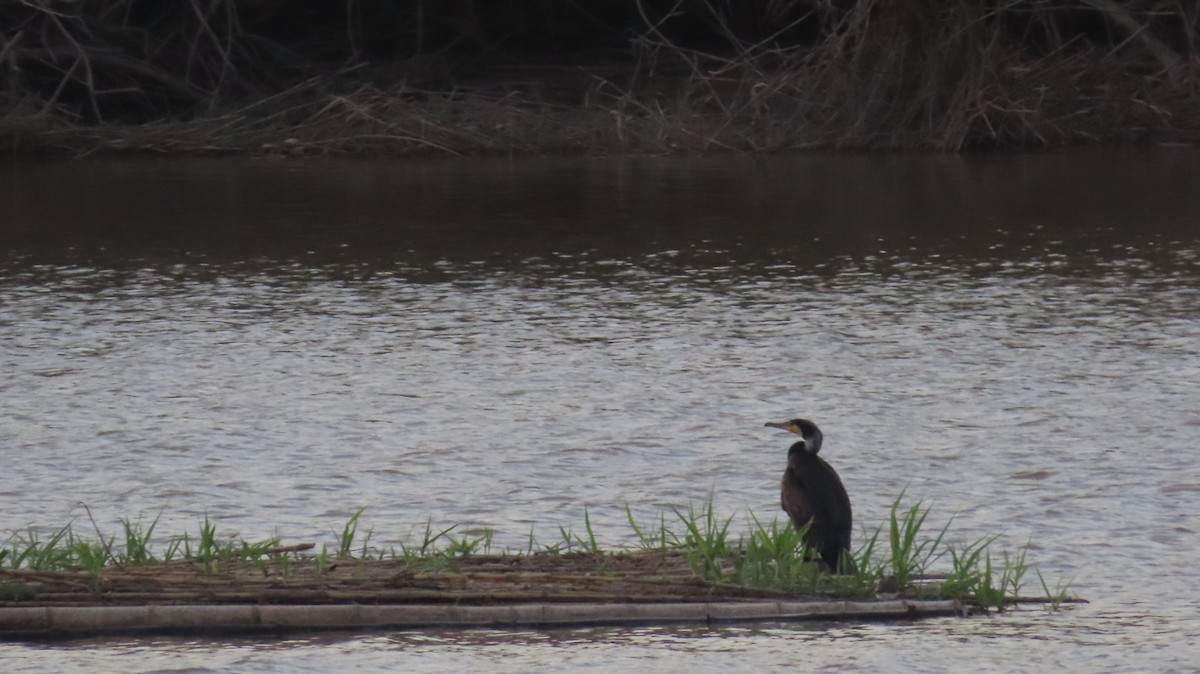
(27, 550)
(911, 554)
(470, 543)
(1058, 595)
(430, 555)
(348, 533)
(651, 539)
(137, 542)
(774, 556)
(767, 555)
(66, 550)
(705, 539)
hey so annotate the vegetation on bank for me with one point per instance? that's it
(697, 559)
(458, 77)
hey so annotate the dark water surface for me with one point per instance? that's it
(1014, 339)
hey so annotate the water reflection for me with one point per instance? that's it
(479, 210)
(502, 344)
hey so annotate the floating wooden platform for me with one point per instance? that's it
(476, 591)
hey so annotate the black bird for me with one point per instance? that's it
(813, 496)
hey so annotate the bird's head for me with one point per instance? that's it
(805, 429)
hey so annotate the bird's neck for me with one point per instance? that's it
(798, 455)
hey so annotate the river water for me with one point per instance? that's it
(1013, 340)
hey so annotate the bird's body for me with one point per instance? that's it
(813, 497)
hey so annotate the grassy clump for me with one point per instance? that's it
(769, 557)
(706, 540)
(65, 550)
(774, 556)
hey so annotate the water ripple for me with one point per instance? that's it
(1042, 387)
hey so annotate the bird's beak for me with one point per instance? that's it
(786, 426)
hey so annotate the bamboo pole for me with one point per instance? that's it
(50, 621)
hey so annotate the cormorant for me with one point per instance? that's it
(813, 496)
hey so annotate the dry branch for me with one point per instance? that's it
(877, 74)
(1137, 31)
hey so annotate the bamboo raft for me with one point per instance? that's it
(474, 591)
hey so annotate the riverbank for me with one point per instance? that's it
(645, 80)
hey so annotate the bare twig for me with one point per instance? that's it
(81, 60)
(1121, 17)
